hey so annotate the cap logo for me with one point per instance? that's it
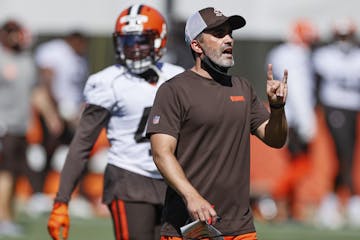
(134, 23)
(218, 13)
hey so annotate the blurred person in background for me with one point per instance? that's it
(18, 91)
(295, 54)
(119, 98)
(338, 67)
(63, 70)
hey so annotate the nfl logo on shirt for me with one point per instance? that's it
(156, 119)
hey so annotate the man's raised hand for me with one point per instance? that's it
(276, 89)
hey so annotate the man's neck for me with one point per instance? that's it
(197, 68)
(206, 70)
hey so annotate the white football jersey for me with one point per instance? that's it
(340, 72)
(70, 74)
(300, 101)
(129, 98)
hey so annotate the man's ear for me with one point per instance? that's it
(195, 46)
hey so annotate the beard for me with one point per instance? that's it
(218, 57)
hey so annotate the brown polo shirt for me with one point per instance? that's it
(212, 122)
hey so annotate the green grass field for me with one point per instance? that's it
(296, 231)
(101, 229)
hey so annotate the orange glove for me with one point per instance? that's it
(59, 217)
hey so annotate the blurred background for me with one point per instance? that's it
(269, 24)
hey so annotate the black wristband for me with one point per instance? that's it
(277, 106)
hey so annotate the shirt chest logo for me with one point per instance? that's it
(237, 98)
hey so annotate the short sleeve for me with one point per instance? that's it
(46, 57)
(99, 92)
(165, 115)
(258, 114)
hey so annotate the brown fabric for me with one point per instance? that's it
(13, 154)
(132, 187)
(247, 236)
(135, 220)
(93, 119)
(213, 18)
(119, 218)
(212, 123)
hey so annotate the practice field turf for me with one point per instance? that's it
(101, 229)
(296, 231)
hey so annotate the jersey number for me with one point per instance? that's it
(139, 135)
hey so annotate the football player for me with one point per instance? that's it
(19, 92)
(337, 66)
(119, 98)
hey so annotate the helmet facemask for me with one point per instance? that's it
(136, 51)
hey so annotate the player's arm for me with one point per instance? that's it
(163, 147)
(46, 76)
(42, 102)
(274, 131)
(93, 119)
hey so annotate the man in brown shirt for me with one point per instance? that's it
(200, 127)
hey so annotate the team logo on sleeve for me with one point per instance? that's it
(156, 119)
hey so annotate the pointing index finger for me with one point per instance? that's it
(270, 73)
